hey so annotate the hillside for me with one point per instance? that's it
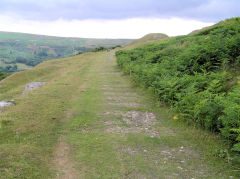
(89, 120)
(147, 39)
(20, 51)
(197, 74)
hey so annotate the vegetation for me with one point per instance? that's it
(99, 49)
(78, 125)
(22, 51)
(197, 74)
(70, 109)
(3, 75)
(114, 47)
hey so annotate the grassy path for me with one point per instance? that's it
(88, 121)
(117, 132)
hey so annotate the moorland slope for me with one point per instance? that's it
(19, 51)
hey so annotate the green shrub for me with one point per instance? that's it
(99, 49)
(3, 75)
(194, 74)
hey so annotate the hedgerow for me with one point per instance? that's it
(196, 74)
(3, 75)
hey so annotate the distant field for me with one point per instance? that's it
(20, 51)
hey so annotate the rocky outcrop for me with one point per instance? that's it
(33, 86)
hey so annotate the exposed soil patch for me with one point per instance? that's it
(65, 168)
(110, 123)
(136, 117)
(141, 118)
(183, 157)
(121, 98)
(123, 130)
(117, 89)
(126, 104)
(108, 93)
(115, 86)
(136, 121)
(179, 157)
(130, 130)
(130, 150)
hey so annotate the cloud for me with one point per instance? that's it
(125, 28)
(113, 18)
(204, 10)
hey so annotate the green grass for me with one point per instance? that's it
(73, 101)
(99, 155)
(36, 117)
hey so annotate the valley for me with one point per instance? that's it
(19, 51)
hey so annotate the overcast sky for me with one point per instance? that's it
(113, 18)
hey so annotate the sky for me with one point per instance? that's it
(113, 18)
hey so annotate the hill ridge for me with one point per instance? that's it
(147, 39)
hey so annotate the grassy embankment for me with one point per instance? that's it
(197, 74)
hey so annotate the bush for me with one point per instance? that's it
(3, 75)
(99, 49)
(21, 60)
(195, 75)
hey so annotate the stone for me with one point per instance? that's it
(6, 103)
(33, 86)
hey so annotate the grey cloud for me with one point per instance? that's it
(205, 10)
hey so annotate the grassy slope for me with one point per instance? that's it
(196, 74)
(36, 117)
(32, 49)
(72, 102)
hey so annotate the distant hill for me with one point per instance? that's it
(147, 39)
(19, 51)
